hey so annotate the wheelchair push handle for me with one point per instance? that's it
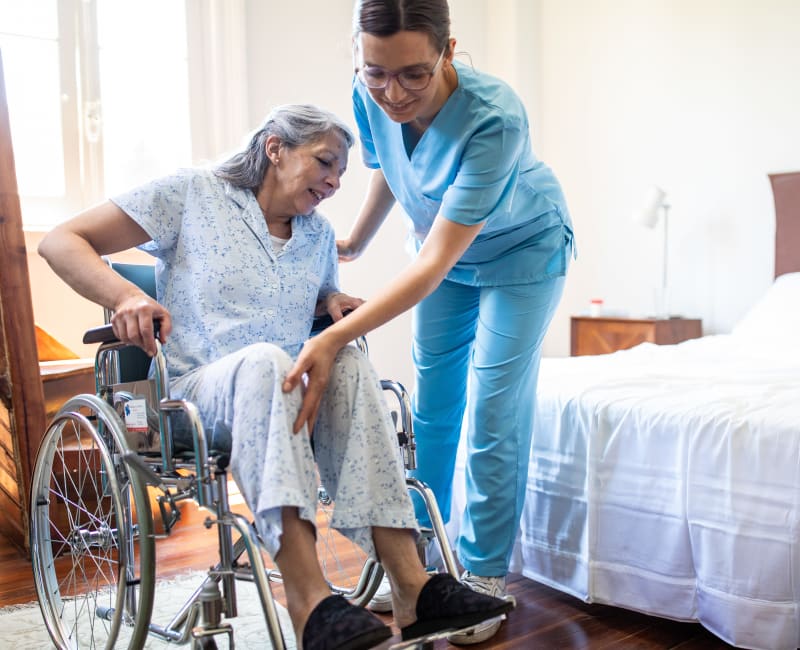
(105, 333)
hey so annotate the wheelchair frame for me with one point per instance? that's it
(111, 546)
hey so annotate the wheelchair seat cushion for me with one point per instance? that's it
(221, 458)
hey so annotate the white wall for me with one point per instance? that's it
(701, 97)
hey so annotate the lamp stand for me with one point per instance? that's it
(665, 253)
(662, 294)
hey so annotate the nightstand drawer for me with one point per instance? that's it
(605, 335)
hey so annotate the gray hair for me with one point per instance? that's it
(295, 125)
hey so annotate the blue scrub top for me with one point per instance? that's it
(474, 164)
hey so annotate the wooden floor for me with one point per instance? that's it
(544, 618)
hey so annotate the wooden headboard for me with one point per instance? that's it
(786, 191)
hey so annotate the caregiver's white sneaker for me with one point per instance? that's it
(492, 586)
(382, 600)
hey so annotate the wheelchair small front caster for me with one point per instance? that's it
(210, 599)
(203, 637)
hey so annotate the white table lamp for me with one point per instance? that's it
(654, 207)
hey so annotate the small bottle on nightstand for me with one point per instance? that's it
(596, 307)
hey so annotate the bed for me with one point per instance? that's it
(666, 479)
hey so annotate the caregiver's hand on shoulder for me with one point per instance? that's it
(133, 322)
(315, 362)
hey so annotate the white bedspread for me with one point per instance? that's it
(666, 479)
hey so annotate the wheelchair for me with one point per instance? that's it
(93, 529)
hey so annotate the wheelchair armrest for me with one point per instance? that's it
(102, 334)
(105, 333)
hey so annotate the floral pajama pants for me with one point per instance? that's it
(245, 410)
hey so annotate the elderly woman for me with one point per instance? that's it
(243, 262)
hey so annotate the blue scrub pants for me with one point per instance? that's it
(488, 341)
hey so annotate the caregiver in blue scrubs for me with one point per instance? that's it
(491, 240)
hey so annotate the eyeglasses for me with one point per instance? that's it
(413, 78)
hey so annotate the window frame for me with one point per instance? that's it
(217, 101)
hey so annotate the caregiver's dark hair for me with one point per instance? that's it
(387, 17)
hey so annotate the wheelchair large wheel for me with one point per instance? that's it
(91, 528)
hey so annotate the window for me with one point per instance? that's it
(98, 96)
(30, 35)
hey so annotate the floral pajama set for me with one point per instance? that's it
(241, 310)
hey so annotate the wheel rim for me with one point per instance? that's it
(80, 531)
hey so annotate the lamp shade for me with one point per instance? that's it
(647, 215)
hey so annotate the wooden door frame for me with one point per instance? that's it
(20, 382)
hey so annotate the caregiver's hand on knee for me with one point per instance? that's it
(315, 362)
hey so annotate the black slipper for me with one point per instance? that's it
(335, 624)
(445, 604)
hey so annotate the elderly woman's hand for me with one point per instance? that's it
(337, 304)
(133, 321)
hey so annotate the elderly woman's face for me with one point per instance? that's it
(310, 173)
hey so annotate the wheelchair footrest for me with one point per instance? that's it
(426, 642)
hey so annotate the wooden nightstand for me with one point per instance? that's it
(604, 335)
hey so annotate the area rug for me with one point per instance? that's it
(23, 627)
